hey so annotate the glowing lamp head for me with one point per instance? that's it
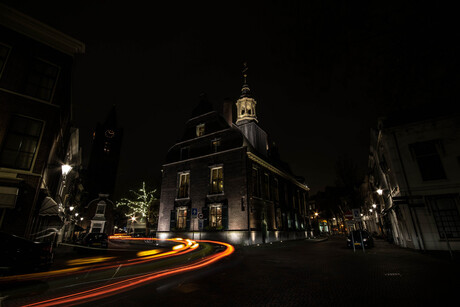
(133, 218)
(374, 206)
(380, 191)
(71, 208)
(76, 214)
(66, 168)
(370, 210)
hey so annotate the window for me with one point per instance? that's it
(266, 186)
(41, 79)
(4, 51)
(428, 160)
(215, 144)
(21, 143)
(279, 218)
(446, 216)
(184, 153)
(276, 190)
(200, 130)
(255, 182)
(215, 216)
(184, 183)
(217, 180)
(100, 208)
(181, 218)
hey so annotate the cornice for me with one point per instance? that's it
(267, 165)
(39, 31)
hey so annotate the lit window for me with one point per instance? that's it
(184, 183)
(215, 216)
(181, 218)
(200, 130)
(217, 180)
(41, 79)
(21, 143)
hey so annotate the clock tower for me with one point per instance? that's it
(105, 154)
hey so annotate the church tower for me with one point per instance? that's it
(246, 119)
(103, 163)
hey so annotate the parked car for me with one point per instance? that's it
(355, 238)
(94, 239)
(20, 255)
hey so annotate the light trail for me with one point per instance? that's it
(131, 283)
(105, 266)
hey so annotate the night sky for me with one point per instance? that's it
(321, 72)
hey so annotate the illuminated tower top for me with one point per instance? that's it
(246, 104)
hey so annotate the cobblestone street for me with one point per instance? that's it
(307, 273)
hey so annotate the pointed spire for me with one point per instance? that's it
(245, 90)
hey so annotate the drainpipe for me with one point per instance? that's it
(416, 223)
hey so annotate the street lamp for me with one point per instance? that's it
(66, 168)
(374, 206)
(379, 191)
(71, 208)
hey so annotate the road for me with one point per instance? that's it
(306, 273)
(300, 273)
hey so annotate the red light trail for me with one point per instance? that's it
(133, 282)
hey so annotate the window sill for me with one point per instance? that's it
(216, 194)
(184, 198)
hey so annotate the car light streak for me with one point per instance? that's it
(100, 266)
(130, 283)
(81, 261)
(148, 252)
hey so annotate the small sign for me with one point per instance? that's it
(200, 216)
(200, 224)
(194, 212)
(356, 214)
(348, 215)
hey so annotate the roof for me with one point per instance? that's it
(39, 31)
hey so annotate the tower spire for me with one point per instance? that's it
(246, 104)
(245, 91)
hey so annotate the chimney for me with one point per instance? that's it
(228, 111)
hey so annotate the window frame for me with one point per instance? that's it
(214, 212)
(218, 191)
(440, 218)
(37, 147)
(29, 74)
(256, 191)
(180, 195)
(180, 217)
(200, 129)
(423, 160)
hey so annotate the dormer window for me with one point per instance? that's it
(200, 130)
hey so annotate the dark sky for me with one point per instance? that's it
(321, 72)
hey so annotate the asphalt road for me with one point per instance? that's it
(306, 273)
